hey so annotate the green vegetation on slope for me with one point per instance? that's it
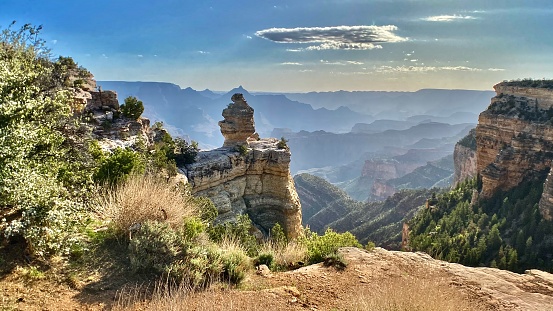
(328, 206)
(543, 83)
(506, 231)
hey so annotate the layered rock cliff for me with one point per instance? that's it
(464, 158)
(514, 137)
(248, 175)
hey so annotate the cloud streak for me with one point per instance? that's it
(447, 18)
(390, 69)
(334, 38)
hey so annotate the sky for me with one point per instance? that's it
(299, 45)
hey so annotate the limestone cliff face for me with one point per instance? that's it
(514, 137)
(464, 158)
(257, 182)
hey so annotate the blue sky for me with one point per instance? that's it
(299, 46)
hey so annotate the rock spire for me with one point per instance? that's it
(238, 124)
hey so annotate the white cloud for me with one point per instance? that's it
(447, 18)
(203, 52)
(54, 41)
(294, 50)
(140, 55)
(336, 37)
(291, 64)
(352, 62)
(390, 69)
(496, 69)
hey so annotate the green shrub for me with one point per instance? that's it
(242, 149)
(235, 265)
(335, 260)
(154, 247)
(237, 231)
(265, 258)
(118, 166)
(159, 249)
(282, 144)
(132, 108)
(277, 235)
(321, 246)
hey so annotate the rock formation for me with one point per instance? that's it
(255, 180)
(546, 201)
(514, 137)
(238, 124)
(464, 158)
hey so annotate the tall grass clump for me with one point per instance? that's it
(145, 198)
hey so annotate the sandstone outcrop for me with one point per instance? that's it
(514, 137)
(238, 124)
(255, 181)
(464, 159)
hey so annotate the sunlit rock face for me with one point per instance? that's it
(255, 180)
(238, 124)
(514, 137)
(464, 159)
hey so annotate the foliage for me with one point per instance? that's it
(497, 232)
(282, 144)
(528, 82)
(469, 141)
(277, 235)
(35, 154)
(320, 247)
(242, 149)
(239, 231)
(118, 165)
(132, 108)
(162, 250)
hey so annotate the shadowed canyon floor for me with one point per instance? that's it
(375, 280)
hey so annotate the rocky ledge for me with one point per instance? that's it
(248, 176)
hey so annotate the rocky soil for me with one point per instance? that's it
(373, 280)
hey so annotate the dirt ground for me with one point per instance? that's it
(374, 280)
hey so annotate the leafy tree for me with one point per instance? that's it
(33, 117)
(132, 108)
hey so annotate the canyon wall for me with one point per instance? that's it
(464, 159)
(514, 139)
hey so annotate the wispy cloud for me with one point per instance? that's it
(291, 64)
(203, 52)
(496, 69)
(336, 37)
(389, 69)
(340, 63)
(140, 55)
(447, 18)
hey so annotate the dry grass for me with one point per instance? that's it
(285, 255)
(183, 299)
(142, 198)
(410, 294)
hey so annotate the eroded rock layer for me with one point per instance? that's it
(464, 158)
(514, 137)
